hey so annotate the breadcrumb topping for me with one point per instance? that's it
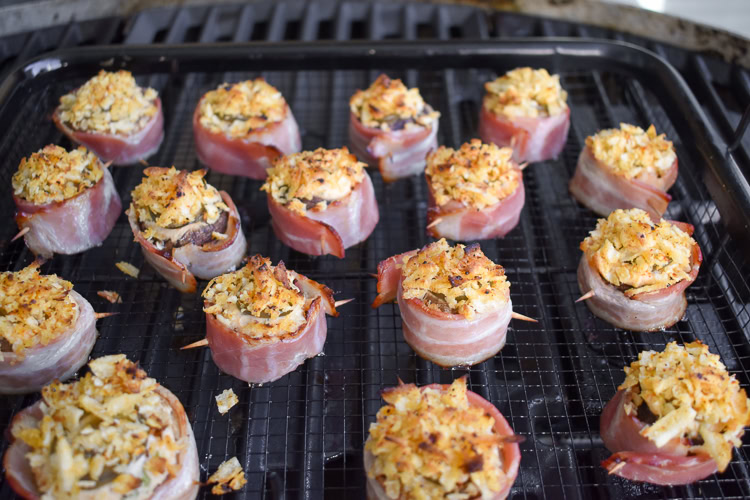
(632, 252)
(168, 198)
(478, 175)
(389, 105)
(459, 280)
(526, 92)
(53, 174)
(108, 428)
(35, 309)
(109, 103)
(309, 180)
(432, 443)
(228, 477)
(633, 152)
(692, 396)
(240, 108)
(259, 300)
(226, 401)
(128, 268)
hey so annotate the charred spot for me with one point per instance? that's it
(455, 280)
(695, 441)
(474, 464)
(432, 438)
(645, 415)
(699, 376)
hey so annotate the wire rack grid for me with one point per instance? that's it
(302, 436)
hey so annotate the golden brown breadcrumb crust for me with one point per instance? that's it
(458, 279)
(389, 105)
(526, 92)
(53, 174)
(691, 394)
(477, 175)
(629, 250)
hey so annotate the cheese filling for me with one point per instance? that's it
(458, 280)
(631, 252)
(53, 174)
(35, 309)
(434, 444)
(240, 108)
(110, 103)
(173, 205)
(477, 175)
(526, 92)
(108, 430)
(259, 300)
(632, 152)
(390, 106)
(310, 180)
(692, 396)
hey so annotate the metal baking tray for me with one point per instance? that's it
(302, 436)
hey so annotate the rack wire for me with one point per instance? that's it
(302, 436)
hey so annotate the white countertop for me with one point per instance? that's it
(729, 15)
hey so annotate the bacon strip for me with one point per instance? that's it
(532, 139)
(120, 150)
(184, 485)
(249, 156)
(511, 459)
(190, 260)
(343, 224)
(637, 458)
(397, 154)
(389, 277)
(595, 186)
(457, 222)
(59, 359)
(644, 312)
(266, 359)
(73, 225)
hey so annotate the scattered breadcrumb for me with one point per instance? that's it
(226, 401)
(228, 477)
(111, 296)
(128, 268)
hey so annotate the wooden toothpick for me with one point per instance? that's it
(516, 315)
(435, 222)
(104, 315)
(21, 233)
(200, 343)
(586, 296)
(340, 303)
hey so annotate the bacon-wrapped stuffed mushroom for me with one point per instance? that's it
(392, 127)
(186, 228)
(113, 434)
(439, 441)
(66, 201)
(113, 117)
(321, 202)
(526, 109)
(625, 168)
(263, 321)
(636, 270)
(476, 192)
(676, 418)
(241, 128)
(455, 302)
(47, 330)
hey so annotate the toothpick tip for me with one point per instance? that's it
(374, 275)
(340, 303)
(200, 343)
(434, 223)
(516, 315)
(105, 315)
(21, 233)
(586, 296)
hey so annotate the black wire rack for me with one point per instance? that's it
(302, 436)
